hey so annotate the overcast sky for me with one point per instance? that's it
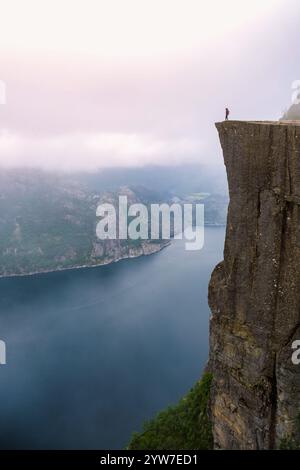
(99, 83)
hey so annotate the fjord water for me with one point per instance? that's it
(93, 353)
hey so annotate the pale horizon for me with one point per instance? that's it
(107, 84)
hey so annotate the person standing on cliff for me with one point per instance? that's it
(227, 112)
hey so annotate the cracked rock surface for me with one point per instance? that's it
(254, 294)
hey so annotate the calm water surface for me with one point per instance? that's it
(92, 353)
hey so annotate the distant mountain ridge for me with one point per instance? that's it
(48, 221)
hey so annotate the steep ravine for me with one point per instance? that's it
(254, 294)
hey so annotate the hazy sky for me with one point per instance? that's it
(94, 83)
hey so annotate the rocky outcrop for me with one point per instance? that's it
(254, 294)
(292, 113)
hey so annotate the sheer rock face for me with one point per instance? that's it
(254, 294)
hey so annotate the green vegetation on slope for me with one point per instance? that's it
(48, 221)
(185, 426)
(292, 443)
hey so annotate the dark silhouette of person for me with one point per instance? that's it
(227, 112)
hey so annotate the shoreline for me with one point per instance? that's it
(103, 263)
(86, 266)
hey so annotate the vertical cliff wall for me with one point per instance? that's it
(254, 294)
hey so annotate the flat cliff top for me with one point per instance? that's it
(260, 123)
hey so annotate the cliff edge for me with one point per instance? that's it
(254, 294)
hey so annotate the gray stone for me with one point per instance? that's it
(254, 294)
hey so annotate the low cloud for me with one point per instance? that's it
(88, 151)
(155, 102)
